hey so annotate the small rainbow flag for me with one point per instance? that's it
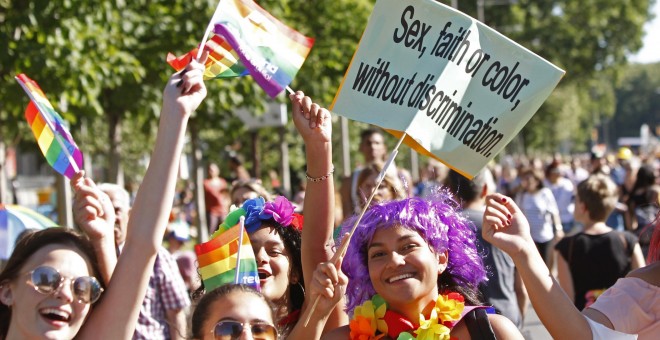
(48, 127)
(223, 61)
(272, 52)
(217, 260)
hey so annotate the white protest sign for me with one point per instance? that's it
(460, 90)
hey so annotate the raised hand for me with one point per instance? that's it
(185, 90)
(505, 226)
(328, 282)
(312, 121)
(92, 210)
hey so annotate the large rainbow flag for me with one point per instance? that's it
(223, 61)
(217, 260)
(272, 52)
(48, 127)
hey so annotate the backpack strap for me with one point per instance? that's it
(478, 325)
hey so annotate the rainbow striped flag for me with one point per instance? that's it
(272, 52)
(48, 127)
(217, 260)
(223, 62)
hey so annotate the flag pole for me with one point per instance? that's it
(240, 245)
(50, 124)
(344, 246)
(209, 27)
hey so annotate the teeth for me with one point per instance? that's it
(57, 312)
(399, 277)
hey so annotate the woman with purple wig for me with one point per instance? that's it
(413, 269)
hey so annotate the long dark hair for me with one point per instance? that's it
(31, 242)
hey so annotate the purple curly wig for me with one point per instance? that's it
(437, 220)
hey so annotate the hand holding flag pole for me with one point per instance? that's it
(344, 246)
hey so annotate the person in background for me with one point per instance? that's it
(237, 168)
(562, 189)
(389, 189)
(163, 309)
(433, 175)
(243, 190)
(628, 310)
(592, 260)
(539, 206)
(577, 172)
(215, 197)
(504, 289)
(177, 236)
(373, 149)
(641, 197)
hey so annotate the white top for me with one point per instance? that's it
(600, 332)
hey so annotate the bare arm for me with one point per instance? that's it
(95, 216)
(564, 276)
(121, 303)
(315, 126)
(637, 257)
(506, 227)
(504, 328)
(521, 294)
(176, 318)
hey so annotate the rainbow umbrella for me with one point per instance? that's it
(14, 219)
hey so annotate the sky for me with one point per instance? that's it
(650, 53)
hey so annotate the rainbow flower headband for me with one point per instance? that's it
(257, 210)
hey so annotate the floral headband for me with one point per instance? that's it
(257, 210)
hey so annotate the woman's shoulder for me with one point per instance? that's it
(502, 328)
(650, 274)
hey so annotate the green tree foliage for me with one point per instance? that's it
(637, 102)
(102, 65)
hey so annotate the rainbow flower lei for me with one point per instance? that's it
(372, 320)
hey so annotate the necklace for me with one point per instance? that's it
(372, 320)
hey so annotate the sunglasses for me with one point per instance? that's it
(232, 330)
(47, 280)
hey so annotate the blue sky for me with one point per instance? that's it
(650, 53)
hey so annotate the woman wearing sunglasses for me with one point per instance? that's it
(286, 255)
(40, 300)
(49, 287)
(229, 312)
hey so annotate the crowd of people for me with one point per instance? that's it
(444, 257)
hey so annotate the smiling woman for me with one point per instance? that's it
(413, 269)
(52, 273)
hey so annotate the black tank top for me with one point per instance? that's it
(596, 261)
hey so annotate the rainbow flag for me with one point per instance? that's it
(217, 260)
(223, 61)
(48, 128)
(272, 52)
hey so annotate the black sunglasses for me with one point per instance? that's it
(47, 280)
(232, 330)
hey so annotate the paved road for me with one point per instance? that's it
(533, 329)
